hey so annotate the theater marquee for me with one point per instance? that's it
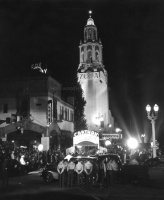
(86, 135)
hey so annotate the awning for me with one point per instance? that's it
(54, 127)
(87, 143)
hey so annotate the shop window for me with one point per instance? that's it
(72, 116)
(65, 113)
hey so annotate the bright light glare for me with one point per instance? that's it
(96, 121)
(107, 142)
(156, 108)
(118, 130)
(132, 143)
(148, 108)
(40, 147)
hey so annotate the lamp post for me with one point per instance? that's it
(153, 115)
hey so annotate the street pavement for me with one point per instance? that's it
(30, 184)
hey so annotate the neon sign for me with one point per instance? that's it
(86, 135)
(86, 132)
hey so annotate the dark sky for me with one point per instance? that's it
(132, 34)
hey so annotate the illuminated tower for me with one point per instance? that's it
(94, 80)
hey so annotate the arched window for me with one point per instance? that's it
(97, 56)
(97, 53)
(90, 33)
(89, 56)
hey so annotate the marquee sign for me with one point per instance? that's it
(91, 75)
(86, 135)
(111, 136)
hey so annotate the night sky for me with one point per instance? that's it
(132, 34)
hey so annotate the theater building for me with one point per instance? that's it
(32, 111)
(93, 79)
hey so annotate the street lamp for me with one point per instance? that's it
(153, 115)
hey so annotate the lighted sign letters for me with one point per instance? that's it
(91, 75)
(86, 135)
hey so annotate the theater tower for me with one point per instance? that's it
(93, 78)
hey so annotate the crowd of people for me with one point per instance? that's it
(86, 171)
(27, 160)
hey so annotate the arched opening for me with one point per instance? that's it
(28, 138)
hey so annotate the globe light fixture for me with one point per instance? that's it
(107, 142)
(118, 130)
(152, 116)
(40, 147)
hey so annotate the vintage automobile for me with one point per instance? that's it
(49, 172)
(155, 168)
(114, 157)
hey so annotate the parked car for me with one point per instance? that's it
(49, 172)
(155, 168)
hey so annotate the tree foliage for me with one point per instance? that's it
(79, 104)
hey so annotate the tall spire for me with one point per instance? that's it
(90, 12)
(90, 30)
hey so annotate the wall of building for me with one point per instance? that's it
(95, 91)
(42, 92)
(66, 122)
(11, 107)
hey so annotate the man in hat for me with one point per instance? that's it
(88, 167)
(61, 168)
(70, 169)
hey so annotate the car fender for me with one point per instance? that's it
(54, 174)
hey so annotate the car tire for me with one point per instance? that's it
(48, 177)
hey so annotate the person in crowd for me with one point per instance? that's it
(23, 165)
(79, 170)
(61, 170)
(5, 172)
(70, 170)
(109, 172)
(88, 167)
(95, 172)
(115, 169)
(102, 172)
(12, 155)
(133, 161)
